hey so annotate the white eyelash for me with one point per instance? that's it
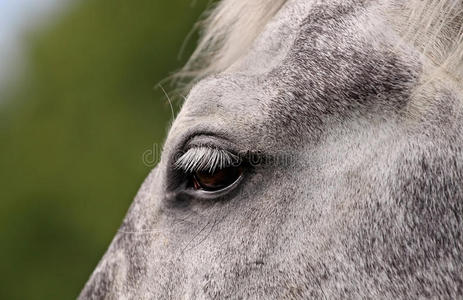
(205, 159)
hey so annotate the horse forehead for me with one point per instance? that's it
(300, 27)
(273, 44)
(309, 55)
(267, 54)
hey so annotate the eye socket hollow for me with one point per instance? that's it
(217, 180)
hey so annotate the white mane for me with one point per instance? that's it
(435, 27)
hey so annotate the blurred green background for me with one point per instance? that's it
(73, 129)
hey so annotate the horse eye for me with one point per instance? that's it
(217, 180)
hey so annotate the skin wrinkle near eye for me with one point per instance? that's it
(205, 159)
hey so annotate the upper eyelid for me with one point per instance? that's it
(205, 159)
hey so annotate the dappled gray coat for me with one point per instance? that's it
(319, 155)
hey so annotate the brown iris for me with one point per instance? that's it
(214, 181)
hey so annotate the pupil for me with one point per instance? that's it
(217, 180)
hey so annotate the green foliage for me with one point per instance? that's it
(73, 135)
